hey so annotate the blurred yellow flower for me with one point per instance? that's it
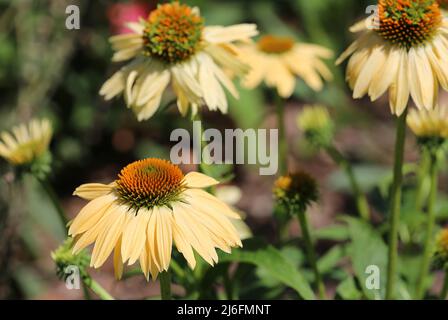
(27, 142)
(278, 60)
(149, 206)
(429, 123)
(441, 250)
(173, 47)
(405, 54)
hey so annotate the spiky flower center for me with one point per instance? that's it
(275, 45)
(297, 190)
(150, 183)
(173, 32)
(408, 23)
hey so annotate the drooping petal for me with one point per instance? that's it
(199, 180)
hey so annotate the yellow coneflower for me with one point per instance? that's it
(174, 47)
(429, 123)
(27, 142)
(405, 54)
(149, 206)
(279, 60)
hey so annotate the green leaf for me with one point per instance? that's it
(276, 266)
(329, 261)
(347, 290)
(333, 233)
(367, 249)
(368, 178)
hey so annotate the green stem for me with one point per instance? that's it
(86, 292)
(99, 290)
(361, 200)
(310, 252)
(165, 285)
(444, 293)
(421, 178)
(55, 200)
(283, 146)
(431, 220)
(200, 143)
(395, 205)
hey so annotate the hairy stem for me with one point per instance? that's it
(431, 219)
(97, 288)
(395, 206)
(310, 252)
(283, 146)
(165, 285)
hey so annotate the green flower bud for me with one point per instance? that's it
(316, 123)
(64, 258)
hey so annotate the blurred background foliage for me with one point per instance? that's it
(47, 70)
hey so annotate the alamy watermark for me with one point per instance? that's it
(72, 277)
(235, 146)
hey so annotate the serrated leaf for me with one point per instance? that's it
(276, 266)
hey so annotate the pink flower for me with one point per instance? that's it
(120, 14)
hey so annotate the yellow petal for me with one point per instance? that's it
(90, 191)
(118, 261)
(199, 180)
(91, 214)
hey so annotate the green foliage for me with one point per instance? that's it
(367, 248)
(277, 266)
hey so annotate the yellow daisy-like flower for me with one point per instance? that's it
(279, 60)
(150, 206)
(27, 142)
(406, 54)
(173, 47)
(429, 123)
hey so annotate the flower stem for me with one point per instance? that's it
(54, 199)
(165, 285)
(361, 200)
(97, 288)
(395, 205)
(427, 253)
(310, 252)
(86, 292)
(423, 169)
(283, 146)
(444, 293)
